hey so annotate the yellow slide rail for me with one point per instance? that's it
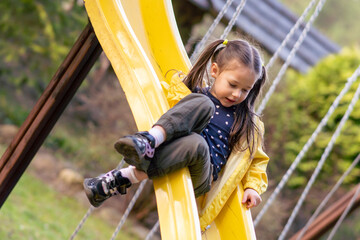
(174, 193)
(141, 40)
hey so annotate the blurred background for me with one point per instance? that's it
(48, 202)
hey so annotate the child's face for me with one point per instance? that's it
(233, 84)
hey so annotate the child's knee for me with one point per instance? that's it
(195, 146)
(206, 104)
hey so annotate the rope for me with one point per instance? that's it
(290, 34)
(120, 165)
(129, 208)
(328, 196)
(83, 220)
(344, 214)
(290, 57)
(201, 44)
(154, 229)
(91, 209)
(233, 19)
(308, 144)
(321, 162)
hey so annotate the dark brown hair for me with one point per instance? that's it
(244, 127)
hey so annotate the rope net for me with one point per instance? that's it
(328, 196)
(308, 144)
(321, 163)
(344, 214)
(290, 57)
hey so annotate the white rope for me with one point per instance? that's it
(83, 220)
(233, 19)
(91, 209)
(328, 196)
(308, 144)
(154, 229)
(120, 165)
(290, 57)
(201, 44)
(290, 34)
(321, 163)
(344, 214)
(129, 208)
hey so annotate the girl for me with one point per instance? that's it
(201, 130)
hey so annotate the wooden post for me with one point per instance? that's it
(328, 218)
(47, 110)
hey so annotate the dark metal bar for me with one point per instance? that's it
(328, 218)
(48, 109)
(9, 151)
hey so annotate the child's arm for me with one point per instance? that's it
(255, 180)
(256, 177)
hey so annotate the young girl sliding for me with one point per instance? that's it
(201, 130)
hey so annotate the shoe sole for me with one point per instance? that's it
(127, 148)
(89, 194)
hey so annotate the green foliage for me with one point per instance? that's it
(83, 148)
(10, 112)
(304, 101)
(37, 35)
(34, 211)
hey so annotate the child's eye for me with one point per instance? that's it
(232, 85)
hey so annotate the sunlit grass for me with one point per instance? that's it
(35, 211)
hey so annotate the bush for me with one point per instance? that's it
(304, 101)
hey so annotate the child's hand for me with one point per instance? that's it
(251, 198)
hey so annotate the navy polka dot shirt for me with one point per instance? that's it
(217, 133)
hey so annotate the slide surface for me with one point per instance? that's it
(141, 40)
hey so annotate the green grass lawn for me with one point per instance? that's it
(35, 211)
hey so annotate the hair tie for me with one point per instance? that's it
(225, 42)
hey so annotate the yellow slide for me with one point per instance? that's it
(141, 40)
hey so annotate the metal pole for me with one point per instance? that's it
(47, 110)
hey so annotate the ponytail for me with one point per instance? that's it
(195, 77)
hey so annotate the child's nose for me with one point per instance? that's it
(237, 93)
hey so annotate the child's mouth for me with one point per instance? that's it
(231, 101)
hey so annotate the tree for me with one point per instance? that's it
(297, 108)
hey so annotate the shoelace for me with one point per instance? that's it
(109, 184)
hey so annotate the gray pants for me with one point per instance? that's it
(184, 146)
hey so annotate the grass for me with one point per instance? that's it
(35, 211)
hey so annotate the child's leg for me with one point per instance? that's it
(159, 134)
(133, 174)
(100, 188)
(189, 151)
(191, 114)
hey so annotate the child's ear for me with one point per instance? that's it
(214, 70)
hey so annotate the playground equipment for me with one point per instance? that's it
(142, 42)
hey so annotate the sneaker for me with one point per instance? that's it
(100, 188)
(137, 149)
